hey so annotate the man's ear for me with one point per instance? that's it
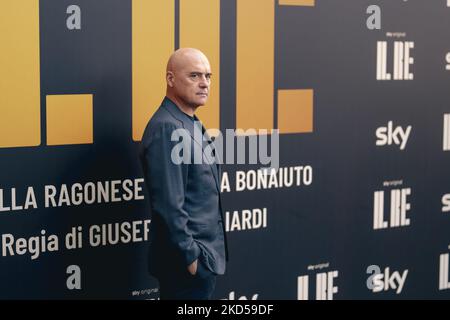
(170, 78)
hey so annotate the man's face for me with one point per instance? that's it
(192, 80)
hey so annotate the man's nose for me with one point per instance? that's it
(204, 82)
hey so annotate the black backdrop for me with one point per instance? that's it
(324, 228)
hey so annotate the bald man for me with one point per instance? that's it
(187, 235)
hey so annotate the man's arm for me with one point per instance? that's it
(166, 181)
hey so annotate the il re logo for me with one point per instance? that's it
(325, 288)
(402, 60)
(399, 207)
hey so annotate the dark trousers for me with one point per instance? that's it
(186, 287)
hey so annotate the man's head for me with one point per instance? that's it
(188, 77)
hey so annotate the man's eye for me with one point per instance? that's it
(193, 76)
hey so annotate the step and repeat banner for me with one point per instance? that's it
(359, 207)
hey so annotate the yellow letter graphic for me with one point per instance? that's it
(20, 103)
(202, 31)
(255, 64)
(255, 73)
(153, 41)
